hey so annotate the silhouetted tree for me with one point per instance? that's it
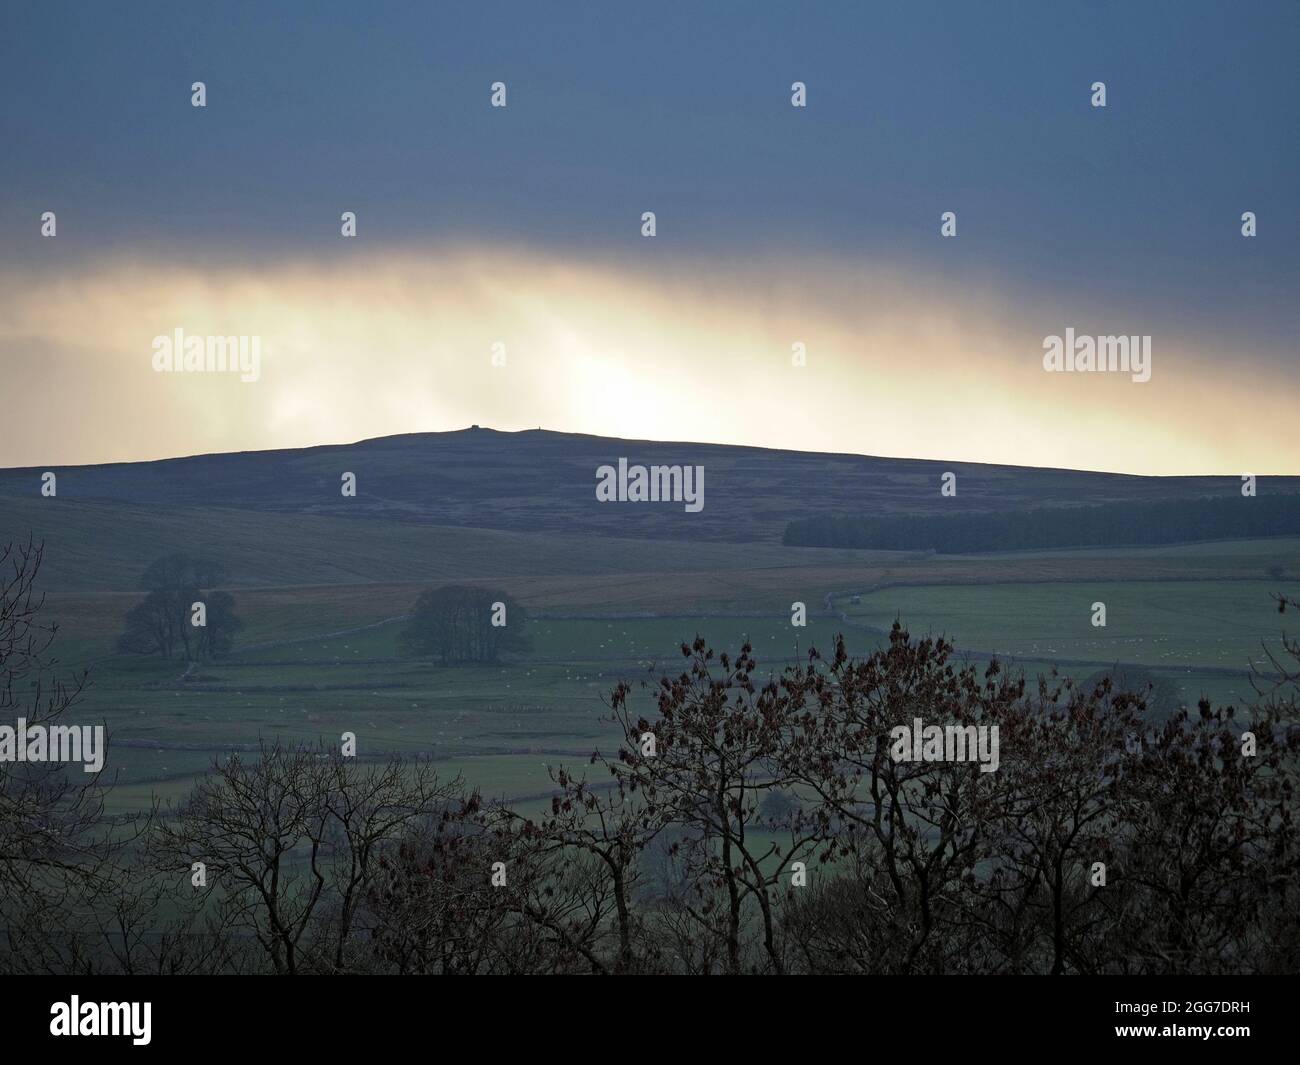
(163, 622)
(58, 850)
(292, 840)
(718, 740)
(465, 623)
(1107, 525)
(1158, 694)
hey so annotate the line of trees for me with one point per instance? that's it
(1107, 525)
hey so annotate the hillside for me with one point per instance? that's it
(544, 482)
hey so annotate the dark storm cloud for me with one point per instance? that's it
(913, 109)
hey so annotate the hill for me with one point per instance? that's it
(544, 482)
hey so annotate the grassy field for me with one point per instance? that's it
(500, 726)
(266, 554)
(321, 597)
(97, 545)
(1177, 624)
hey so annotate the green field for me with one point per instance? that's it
(322, 598)
(499, 725)
(1191, 624)
(502, 725)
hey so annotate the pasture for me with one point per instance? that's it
(322, 597)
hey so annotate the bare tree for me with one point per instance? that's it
(927, 822)
(161, 623)
(57, 847)
(291, 840)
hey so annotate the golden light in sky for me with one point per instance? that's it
(897, 364)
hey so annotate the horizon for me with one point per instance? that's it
(475, 427)
(354, 349)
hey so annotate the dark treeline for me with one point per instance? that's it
(742, 822)
(1108, 525)
(464, 623)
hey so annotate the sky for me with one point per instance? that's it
(516, 232)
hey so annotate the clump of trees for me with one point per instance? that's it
(293, 842)
(1107, 525)
(1160, 694)
(163, 623)
(465, 623)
